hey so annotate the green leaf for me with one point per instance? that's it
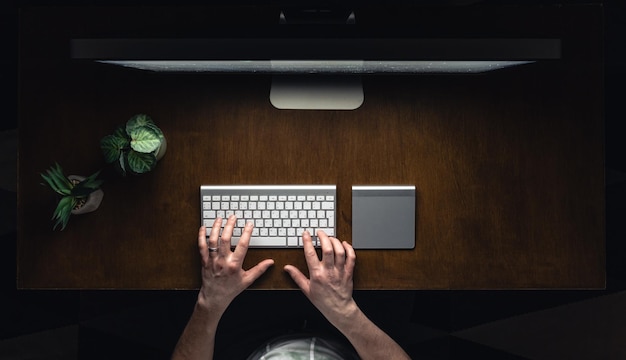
(112, 146)
(59, 177)
(120, 131)
(138, 121)
(120, 164)
(87, 186)
(91, 182)
(140, 163)
(144, 140)
(63, 211)
(157, 130)
(53, 185)
(57, 181)
(161, 138)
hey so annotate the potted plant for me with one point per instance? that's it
(135, 147)
(79, 194)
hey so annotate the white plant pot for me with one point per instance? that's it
(93, 200)
(161, 151)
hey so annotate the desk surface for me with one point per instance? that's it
(508, 168)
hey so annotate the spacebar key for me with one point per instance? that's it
(273, 241)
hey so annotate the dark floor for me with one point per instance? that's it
(428, 324)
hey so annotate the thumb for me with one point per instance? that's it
(298, 277)
(259, 269)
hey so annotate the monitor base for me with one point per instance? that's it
(316, 92)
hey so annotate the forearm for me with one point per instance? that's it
(198, 338)
(369, 340)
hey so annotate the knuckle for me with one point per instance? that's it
(328, 252)
(232, 268)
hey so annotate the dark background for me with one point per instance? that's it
(535, 324)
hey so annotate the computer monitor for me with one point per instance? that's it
(318, 84)
(317, 55)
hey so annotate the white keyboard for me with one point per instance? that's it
(280, 213)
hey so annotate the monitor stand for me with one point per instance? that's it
(316, 92)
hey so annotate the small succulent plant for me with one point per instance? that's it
(133, 147)
(73, 192)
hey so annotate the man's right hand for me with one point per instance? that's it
(330, 285)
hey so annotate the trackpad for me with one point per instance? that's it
(383, 217)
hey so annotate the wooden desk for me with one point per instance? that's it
(508, 166)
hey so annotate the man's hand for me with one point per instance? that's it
(223, 277)
(330, 285)
(330, 290)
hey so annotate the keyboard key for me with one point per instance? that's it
(328, 231)
(263, 241)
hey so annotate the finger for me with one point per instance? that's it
(340, 252)
(299, 278)
(244, 242)
(328, 254)
(214, 237)
(310, 255)
(350, 259)
(227, 234)
(256, 271)
(203, 246)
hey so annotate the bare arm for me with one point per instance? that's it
(223, 278)
(330, 290)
